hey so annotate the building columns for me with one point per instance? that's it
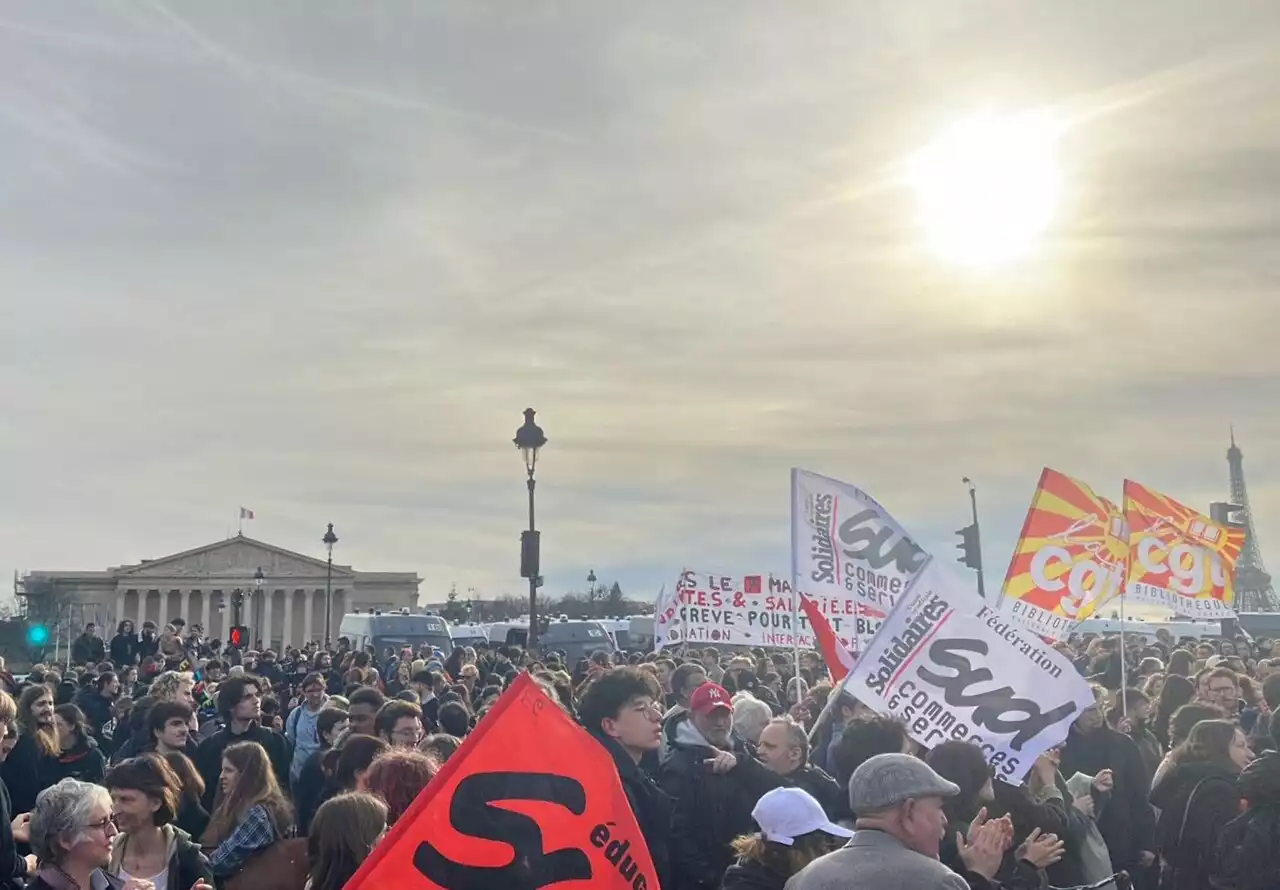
(308, 609)
(119, 610)
(287, 635)
(184, 597)
(204, 613)
(266, 618)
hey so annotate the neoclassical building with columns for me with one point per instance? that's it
(286, 608)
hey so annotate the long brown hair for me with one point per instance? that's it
(343, 834)
(779, 857)
(255, 785)
(188, 777)
(1209, 742)
(46, 737)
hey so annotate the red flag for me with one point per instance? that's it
(529, 801)
(839, 660)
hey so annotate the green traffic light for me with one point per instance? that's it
(37, 635)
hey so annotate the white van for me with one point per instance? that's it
(396, 630)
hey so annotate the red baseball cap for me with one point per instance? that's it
(709, 696)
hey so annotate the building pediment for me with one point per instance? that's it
(237, 557)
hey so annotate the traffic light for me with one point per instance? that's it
(529, 546)
(37, 640)
(239, 637)
(970, 552)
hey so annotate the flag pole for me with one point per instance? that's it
(795, 592)
(1124, 672)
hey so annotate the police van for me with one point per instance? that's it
(576, 639)
(395, 629)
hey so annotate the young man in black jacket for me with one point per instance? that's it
(622, 711)
(1127, 823)
(240, 706)
(88, 648)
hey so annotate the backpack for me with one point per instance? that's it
(1249, 850)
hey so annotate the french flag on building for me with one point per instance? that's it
(246, 513)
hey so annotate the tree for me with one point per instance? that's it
(453, 610)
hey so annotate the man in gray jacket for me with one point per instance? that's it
(898, 800)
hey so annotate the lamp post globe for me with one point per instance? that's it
(328, 540)
(530, 439)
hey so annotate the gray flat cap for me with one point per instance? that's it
(887, 780)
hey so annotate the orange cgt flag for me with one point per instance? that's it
(1070, 560)
(1180, 559)
(529, 801)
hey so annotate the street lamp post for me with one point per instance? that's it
(977, 537)
(328, 540)
(258, 578)
(530, 439)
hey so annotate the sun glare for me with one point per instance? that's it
(988, 187)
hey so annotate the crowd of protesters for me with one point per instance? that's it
(162, 761)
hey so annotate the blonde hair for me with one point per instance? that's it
(165, 687)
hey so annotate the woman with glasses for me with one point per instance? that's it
(71, 834)
(253, 813)
(145, 794)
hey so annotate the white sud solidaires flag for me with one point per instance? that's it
(952, 669)
(848, 555)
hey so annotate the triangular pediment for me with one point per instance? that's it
(237, 557)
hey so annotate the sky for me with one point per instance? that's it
(315, 258)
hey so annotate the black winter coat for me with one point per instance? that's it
(13, 868)
(27, 772)
(649, 804)
(1196, 801)
(710, 811)
(1127, 824)
(208, 759)
(84, 762)
(752, 874)
(1249, 848)
(124, 650)
(88, 650)
(822, 788)
(96, 708)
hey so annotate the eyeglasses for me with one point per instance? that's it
(103, 824)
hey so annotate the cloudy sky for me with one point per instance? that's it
(315, 257)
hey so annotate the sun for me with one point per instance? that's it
(988, 187)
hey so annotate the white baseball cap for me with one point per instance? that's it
(785, 814)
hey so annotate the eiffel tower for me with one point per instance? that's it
(1254, 592)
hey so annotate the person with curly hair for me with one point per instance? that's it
(397, 776)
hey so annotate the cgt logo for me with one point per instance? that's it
(472, 812)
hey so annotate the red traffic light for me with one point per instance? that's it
(239, 637)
